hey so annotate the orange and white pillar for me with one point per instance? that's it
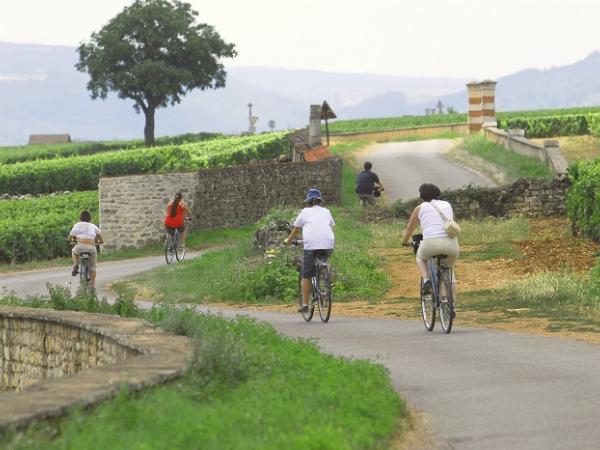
(488, 102)
(475, 106)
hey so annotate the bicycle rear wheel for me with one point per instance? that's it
(324, 291)
(427, 309)
(179, 251)
(169, 246)
(308, 315)
(446, 300)
(84, 271)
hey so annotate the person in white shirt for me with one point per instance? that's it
(315, 223)
(86, 235)
(435, 239)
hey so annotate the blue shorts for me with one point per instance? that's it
(308, 261)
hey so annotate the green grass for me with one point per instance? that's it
(512, 164)
(237, 274)
(245, 387)
(492, 230)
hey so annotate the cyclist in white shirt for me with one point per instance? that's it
(315, 223)
(86, 235)
(435, 238)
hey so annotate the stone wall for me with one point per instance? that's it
(34, 350)
(387, 135)
(525, 197)
(132, 208)
(549, 154)
(78, 360)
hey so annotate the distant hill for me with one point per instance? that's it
(42, 93)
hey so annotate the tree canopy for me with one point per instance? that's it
(154, 53)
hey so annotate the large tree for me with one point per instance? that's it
(154, 52)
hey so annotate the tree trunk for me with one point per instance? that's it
(149, 127)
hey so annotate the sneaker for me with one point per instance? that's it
(303, 309)
(75, 270)
(426, 289)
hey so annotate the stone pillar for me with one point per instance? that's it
(556, 160)
(475, 106)
(488, 103)
(314, 126)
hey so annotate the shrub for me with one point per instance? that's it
(583, 205)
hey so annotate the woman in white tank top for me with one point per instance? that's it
(435, 239)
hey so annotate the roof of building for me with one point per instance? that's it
(49, 139)
(317, 154)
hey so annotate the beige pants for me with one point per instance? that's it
(90, 248)
(439, 246)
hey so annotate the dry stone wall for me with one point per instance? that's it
(132, 208)
(525, 197)
(35, 350)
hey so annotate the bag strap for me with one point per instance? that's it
(444, 218)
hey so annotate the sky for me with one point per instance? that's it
(447, 38)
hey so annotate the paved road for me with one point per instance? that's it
(34, 282)
(482, 389)
(404, 166)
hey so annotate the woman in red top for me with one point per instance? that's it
(177, 211)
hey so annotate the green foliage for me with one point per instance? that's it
(393, 123)
(9, 155)
(274, 279)
(583, 197)
(80, 173)
(553, 122)
(154, 53)
(37, 228)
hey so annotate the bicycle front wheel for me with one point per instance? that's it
(169, 252)
(446, 301)
(324, 292)
(427, 309)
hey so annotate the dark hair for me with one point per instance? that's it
(176, 200)
(314, 201)
(368, 165)
(429, 192)
(85, 216)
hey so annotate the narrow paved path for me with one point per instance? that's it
(404, 166)
(34, 282)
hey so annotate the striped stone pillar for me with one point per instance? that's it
(488, 101)
(475, 106)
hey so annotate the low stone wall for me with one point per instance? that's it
(550, 155)
(66, 359)
(132, 208)
(388, 135)
(525, 197)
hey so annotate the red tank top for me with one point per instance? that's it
(177, 221)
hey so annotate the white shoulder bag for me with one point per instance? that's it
(451, 227)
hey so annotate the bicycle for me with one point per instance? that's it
(172, 247)
(320, 290)
(84, 268)
(441, 297)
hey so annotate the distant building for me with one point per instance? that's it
(36, 139)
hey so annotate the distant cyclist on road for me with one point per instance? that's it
(86, 235)
(435, 239)
(177, 212)
(315, 223)
(365, 185)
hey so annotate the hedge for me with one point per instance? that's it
(583, 197)
(81, 173)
